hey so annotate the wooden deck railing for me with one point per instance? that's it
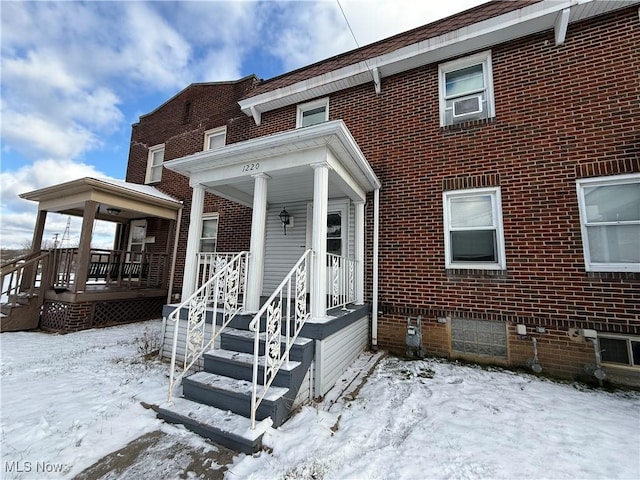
(109, 267)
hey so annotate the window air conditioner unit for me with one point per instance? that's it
(463, 107)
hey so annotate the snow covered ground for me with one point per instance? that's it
(68, 400)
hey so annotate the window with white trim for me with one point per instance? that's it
(619, 350)
(474, 238)
(312, 113)
(610, 222)
(209, 236)
(215, 138)
(466, 89)
(154, 164)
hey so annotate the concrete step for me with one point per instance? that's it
(243, 341)
(222, 426)
(239, 365)
(235, 395)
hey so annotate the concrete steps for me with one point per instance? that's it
(216, 402)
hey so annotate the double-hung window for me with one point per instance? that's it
(215, 138)
(154, 164)
(474, 237)
(209, 236)
(610, 222)
(312, 113)
(466, 89)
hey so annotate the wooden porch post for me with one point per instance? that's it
(319, 240)
(84, 249)
(38, 232)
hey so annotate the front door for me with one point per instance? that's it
(137, 236)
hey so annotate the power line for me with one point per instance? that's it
(344, 15)
(348, 24)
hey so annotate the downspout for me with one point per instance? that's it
(374, 301)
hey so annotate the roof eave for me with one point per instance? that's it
(519, 23)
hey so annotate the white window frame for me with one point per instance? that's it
(628, 339)
(584, 224)
(214, 132)
(483, 58)
(205, 217)
(496, 212)
(151, 167)
(305, 107)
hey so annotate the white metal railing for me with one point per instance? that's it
(341, 273)
(209, 263)
(223, 293)
(279, 323)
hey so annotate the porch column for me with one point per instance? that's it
(359, 253)
(255, 272)
(84, 249)
(193, 242)
(319, 240)
(38, 232)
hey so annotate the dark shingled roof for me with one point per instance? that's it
(448, 24)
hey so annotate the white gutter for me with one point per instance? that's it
(374, 300)
(531, 19)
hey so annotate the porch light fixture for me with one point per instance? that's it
(113, 211)
(284, 218)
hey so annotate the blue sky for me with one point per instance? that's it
(77, 75)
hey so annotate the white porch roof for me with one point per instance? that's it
(286, 158)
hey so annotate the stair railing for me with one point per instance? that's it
(25, 275)
(279, 322)
(224, 294)
(342, 281)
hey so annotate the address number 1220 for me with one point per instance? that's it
(250, 167)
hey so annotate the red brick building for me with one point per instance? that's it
(482, 172)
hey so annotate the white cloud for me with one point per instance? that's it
(314, 31)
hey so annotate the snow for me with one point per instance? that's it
(68, 400)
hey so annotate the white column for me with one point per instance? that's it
(359, 253)
(319, 240)
(255, 272)
(193, 242)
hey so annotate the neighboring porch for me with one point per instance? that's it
(70, 289)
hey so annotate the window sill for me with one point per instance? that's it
(461, 273)
(614, 275)
(468, 125)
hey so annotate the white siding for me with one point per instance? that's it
(282, 252)
(167, 343)
(335, 353)
(304, 394)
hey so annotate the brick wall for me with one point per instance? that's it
(562, 113)
(180, 124)
(558, 119)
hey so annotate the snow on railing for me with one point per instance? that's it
(223, 293)
(279, 323)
